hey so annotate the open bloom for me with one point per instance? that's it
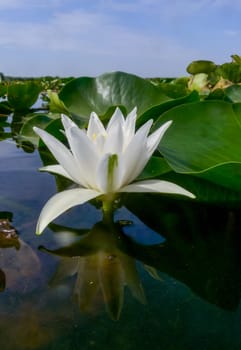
(102, 161)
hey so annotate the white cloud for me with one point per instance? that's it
(8, 4)
(91, 42)
(231, 32)
(234, 4)
(29, 4)
(98, 39)
(83, 31)
(168, 9)
(163, 8)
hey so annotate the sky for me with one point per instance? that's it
(149, 38)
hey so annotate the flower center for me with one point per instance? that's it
(94, 136)
(112, 164)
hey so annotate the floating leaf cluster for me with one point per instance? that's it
(203, 146)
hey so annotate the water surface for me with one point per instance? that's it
(190, 270)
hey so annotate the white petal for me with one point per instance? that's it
(95, 127)
(67, 122)
(102, 174)
(85, 154)
(61, 153)
(129, 127)
(154, 139)
(115, 139)
(145, 128)
(61, 202)
(156, 186)
(136, 155)
(99, 143)
(117, 117)
(56, 169)
(109, 181)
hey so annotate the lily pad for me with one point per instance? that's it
(204, 139)
(201, 66)
(155, 112)
(155, 167)
(21, 96)
(26, 132)
(85, 94)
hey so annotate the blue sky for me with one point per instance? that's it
(91, 37)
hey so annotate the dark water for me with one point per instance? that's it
(190, 271)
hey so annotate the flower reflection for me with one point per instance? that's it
(101, 262)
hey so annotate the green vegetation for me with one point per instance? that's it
(203, 146)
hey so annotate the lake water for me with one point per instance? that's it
(189, 270)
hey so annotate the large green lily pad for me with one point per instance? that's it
(204, 139)
(85, 94)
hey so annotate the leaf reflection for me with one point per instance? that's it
(202, 247)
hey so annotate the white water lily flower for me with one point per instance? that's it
(102, 161)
